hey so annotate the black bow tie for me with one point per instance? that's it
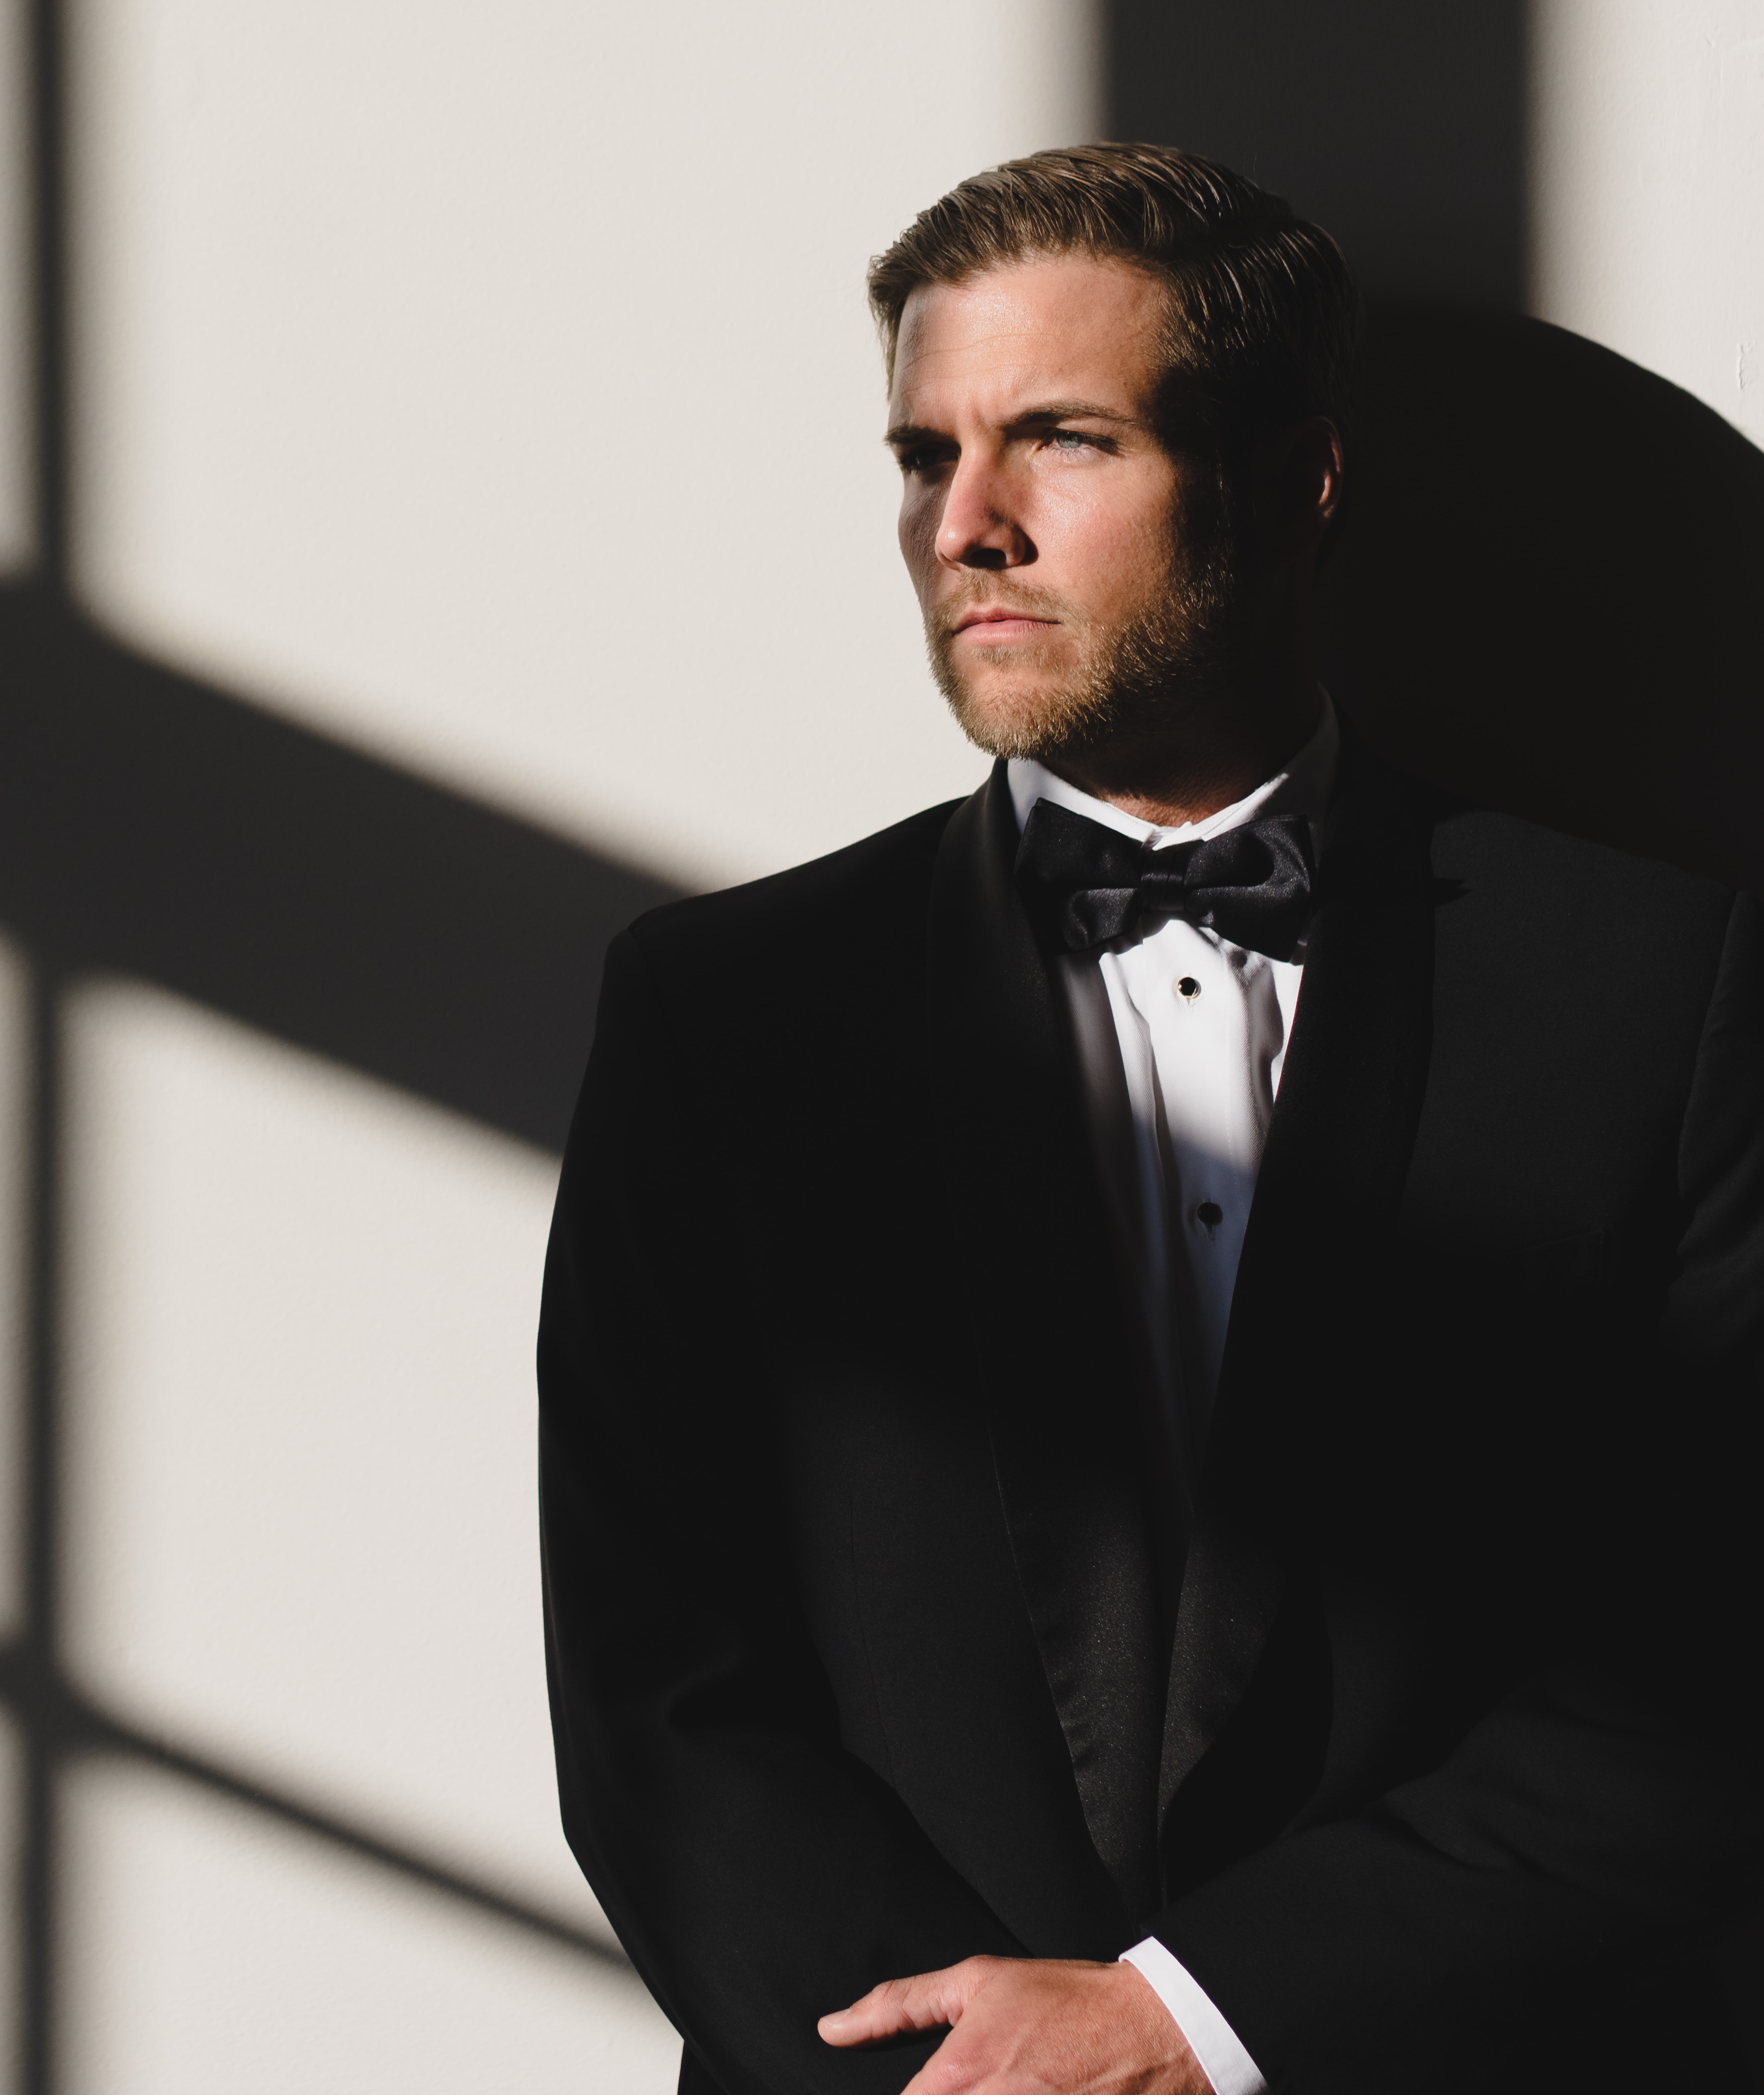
(1084, 884)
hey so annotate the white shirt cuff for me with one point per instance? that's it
(1210, 2036)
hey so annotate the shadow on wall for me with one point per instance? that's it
(1398, 124)
(1549, 595)
(153, 827)
(1550, 591)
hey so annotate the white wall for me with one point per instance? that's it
(208, 1949)
(1647, 188)
(298, 1433)
(490, 387)
(493, 386)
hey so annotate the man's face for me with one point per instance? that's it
(1070, 568)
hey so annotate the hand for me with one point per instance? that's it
(1031, 2027)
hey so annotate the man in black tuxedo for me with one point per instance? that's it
(1145, 1378)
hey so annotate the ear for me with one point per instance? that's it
(1299, 478)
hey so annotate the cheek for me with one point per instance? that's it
(920, 513)
(1104, 548)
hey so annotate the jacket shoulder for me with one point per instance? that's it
(1508, 858)
(1570, 883)
(885, 877)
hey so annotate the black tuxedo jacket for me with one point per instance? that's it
(1429, 1743)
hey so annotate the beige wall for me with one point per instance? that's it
(1647, 188)
(489, 386)
(493, 386)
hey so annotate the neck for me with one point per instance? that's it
(1198, 758)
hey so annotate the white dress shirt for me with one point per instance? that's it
(1182, 1036)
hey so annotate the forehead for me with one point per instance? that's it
(1068, 326)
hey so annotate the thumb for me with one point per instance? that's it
(932, 2000)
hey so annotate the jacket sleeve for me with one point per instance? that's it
(757, 1874)
(1612, 1811)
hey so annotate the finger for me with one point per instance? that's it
(930, 1999)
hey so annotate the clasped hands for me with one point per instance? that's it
(1037, 2026)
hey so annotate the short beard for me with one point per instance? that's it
(1173, 660)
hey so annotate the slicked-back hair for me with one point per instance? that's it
(1263, 313)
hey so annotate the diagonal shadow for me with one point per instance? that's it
(153, 825)
(72, 1724)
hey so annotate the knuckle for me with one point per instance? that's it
(952, 2070)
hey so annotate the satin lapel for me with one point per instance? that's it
(1325, 1202)
(1050, 1321)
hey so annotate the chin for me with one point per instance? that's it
(1018, 715)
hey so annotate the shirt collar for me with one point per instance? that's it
(1303, 788)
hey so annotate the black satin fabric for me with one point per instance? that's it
(1084, 883)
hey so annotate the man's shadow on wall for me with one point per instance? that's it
(1550, 593)
(1547, 592)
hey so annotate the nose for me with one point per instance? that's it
(980, 528)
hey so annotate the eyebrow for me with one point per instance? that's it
(910, 433)
(1050, 411)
